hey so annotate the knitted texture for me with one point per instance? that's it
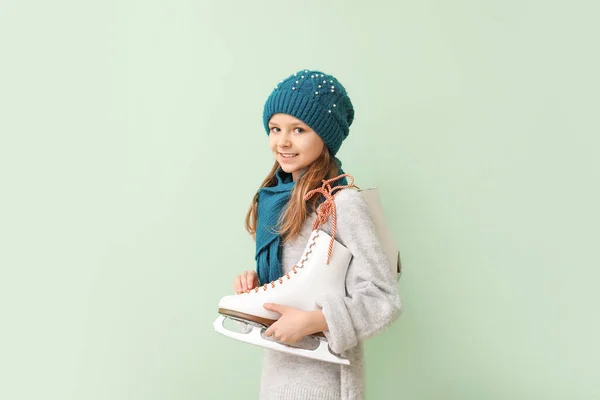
(271, 202)
(317, 99)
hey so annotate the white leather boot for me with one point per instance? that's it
(303, 287)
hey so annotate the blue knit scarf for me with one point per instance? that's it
(271, 202)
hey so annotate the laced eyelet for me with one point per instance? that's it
(327, 208)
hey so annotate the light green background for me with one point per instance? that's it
(131, 145)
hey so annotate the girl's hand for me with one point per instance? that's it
(245, 281)
(294, 324)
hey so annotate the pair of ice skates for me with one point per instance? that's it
(320, 272)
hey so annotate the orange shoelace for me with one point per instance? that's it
(327, 208)
(324, 211)
(272, 283)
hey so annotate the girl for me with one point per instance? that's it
(307, 117)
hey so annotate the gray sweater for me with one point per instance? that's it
(372, 303)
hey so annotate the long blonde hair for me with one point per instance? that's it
(297, 210)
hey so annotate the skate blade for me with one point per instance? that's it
(246, 317)
(255, 335)
(244, 326)
(254, 320)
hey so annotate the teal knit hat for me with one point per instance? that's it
(317, 99)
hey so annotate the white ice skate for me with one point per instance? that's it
(320, 271)
(306, 284)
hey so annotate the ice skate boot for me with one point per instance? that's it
(321, 271)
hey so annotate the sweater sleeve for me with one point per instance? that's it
(372, 301)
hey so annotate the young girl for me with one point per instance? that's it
(307, 117)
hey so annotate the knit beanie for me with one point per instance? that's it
(317, 99)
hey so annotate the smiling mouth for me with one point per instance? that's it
(288, 155)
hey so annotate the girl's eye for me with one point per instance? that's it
(273, 129)
(300, 130)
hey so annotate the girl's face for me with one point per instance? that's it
(293, 143)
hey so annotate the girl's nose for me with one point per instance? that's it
(284, 141)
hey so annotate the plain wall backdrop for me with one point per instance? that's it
(131, 144)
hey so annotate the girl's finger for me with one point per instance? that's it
(244, 282)
(237, 286)
(250, 280)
